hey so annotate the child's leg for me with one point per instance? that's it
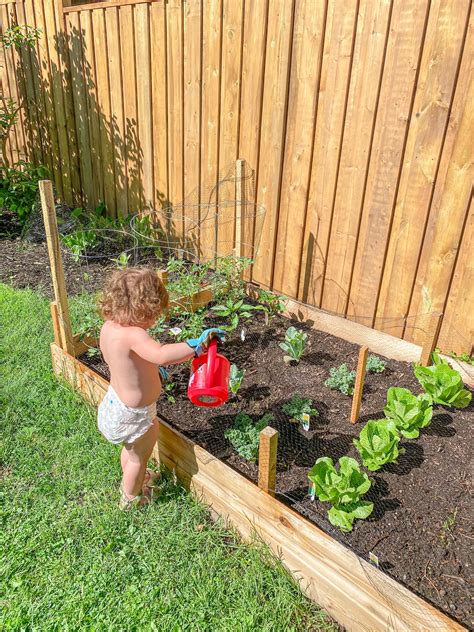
(135, 459)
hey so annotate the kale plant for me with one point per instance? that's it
(300, 409)
(245, 435)
(236, 376)
(375, 364)
(408, 412)
(378, 444)
(342, 488)
(443, 383)
(341, 379)
(294, 345)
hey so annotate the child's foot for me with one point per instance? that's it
(126, 503)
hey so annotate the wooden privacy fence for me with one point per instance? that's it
(353, 114)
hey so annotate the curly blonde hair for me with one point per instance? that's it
(133, 296)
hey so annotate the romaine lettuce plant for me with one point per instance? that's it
(443, 383)
(408, 412)
(245, 435)
(236, 376)
(378, 444)
(294, 345)
(342, 488)
(298, 407)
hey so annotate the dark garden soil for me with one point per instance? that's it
(420, 529)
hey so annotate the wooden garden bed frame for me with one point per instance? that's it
(357, 594)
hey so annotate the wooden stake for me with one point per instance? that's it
(55, 319)
(431, 338)
(267, 457)
(239, 206)
(56, 265)
(359, 383)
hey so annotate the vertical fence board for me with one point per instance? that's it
(159, 102)
(372, 27)
(272, 132)
(334, 84)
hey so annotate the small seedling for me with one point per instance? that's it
(169, 387)
(448, 526)
(375, 364)
(341, 379)
(234, 311)
(158, 328)
(122, 260)
(294, 345)
(300, 410)
(192, 326)
(93, 352)
(245, 435)
(271, 304)
(236, 376)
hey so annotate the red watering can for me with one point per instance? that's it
(209, 381)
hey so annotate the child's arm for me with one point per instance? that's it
(155, 352)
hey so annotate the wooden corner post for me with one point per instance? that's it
(239, 207)
(431, 338)
(57, 272)
(359, 383)
(267, 459)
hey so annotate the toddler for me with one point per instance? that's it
(132, 300)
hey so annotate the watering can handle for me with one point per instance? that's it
(211, 361)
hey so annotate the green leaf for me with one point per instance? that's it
(443, 383)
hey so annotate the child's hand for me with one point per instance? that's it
(200, 345)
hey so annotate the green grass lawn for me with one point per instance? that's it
(70, 559)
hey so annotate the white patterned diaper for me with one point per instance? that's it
(123, 424)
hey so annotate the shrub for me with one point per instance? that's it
(245, 435)
(408, 412)
(341, 379)
(19, 188)
(443, 383)
(378, 444)
(294, 345)
(342, 488)
(375, 364)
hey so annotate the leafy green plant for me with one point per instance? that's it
(271, 304)
(122, 260)
(192, 326)
(159, 327)
(378, 444)
(88, 321)
(185, 279)
(300, 409)
(408, 412)
(375, 364)
(294, 345)
(342, 488)
(227, 277)
(245, 435)
(341, 379)
(443, 383)
(169, 388)
(234, 311)
(79, 242)
(19, 187)
(463, 357)
(236, 376)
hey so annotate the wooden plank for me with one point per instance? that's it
(267, 460)
(341, 23)
(145, 123)
(11, 141)
(55, 318)
(457, 330)
(132, 143)
(359, 383)
(79, 93)
(192, 37)
(273, 130)
(211, 64)
(56, 264)
(448, 210)
(175, 114)
(372, 28)
(425, 140)
(15, 138)
(106, 4)
(431, 338)
(393, 112)
(308, 39)
(240, 208)
(354, 592)
(117, 108)
(232, 21)
(159, 102)
(104, 110)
